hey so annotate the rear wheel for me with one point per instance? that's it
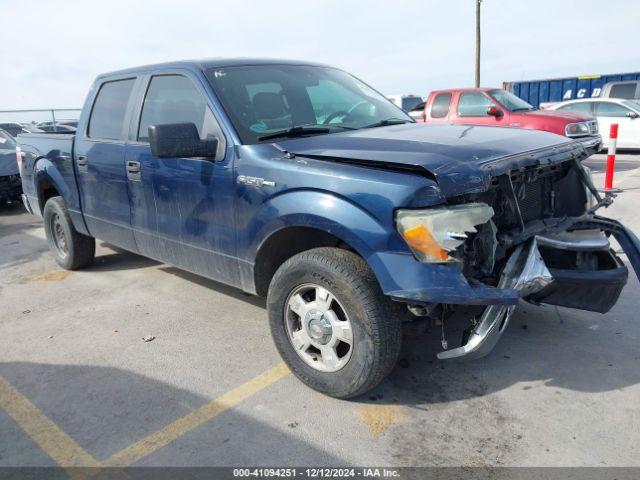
(71, 249)
(331, 323)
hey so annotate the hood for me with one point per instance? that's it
(557, 114)
(460, 158)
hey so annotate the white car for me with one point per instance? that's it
(626, 113)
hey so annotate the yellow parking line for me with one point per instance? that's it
(51, 439)
(192, 420)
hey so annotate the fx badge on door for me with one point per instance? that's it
(255, 181)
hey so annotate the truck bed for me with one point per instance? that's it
(47, 149)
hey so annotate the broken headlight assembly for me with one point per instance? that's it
(434, 233)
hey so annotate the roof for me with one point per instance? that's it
(204, 64)
(595, 99)
(481, 89)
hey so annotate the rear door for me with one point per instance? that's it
(182, 208)
(99, 160)
(439, 108)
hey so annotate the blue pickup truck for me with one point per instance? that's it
(301, 183)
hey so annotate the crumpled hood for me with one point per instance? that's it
(461, 158)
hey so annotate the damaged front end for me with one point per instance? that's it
(543, 243)
(577, 270)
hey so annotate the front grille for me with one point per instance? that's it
(593, 127)
(553, 191)
(526, 201)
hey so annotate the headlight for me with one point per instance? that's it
(576, 129)
(435, 232)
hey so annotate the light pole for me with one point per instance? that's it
(478, 2)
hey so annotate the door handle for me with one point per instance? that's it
(81, 160)
(133, 171)
(133, 167)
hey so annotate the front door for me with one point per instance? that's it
(472, 109)
(182, 208)
(608, 113)
(99, 159)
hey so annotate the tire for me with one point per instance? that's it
(71, 249)
(375, 328)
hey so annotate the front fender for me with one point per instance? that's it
(399, 274)
(324, 211)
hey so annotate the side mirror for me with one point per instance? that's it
(494, 111)
(180, 140)
(632, 115)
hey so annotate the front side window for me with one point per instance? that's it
(623, 90)
(509, 101)
(266, 99)
(171, 99)
(440, 107)
(473, 105)
(610, 109)
(578, 107)
(109, 109)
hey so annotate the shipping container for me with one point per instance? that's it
(558, 89)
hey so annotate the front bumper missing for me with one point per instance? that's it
(524, 272)
(527, 273)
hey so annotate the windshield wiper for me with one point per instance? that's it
(302, 130)
(523, 109)
(388, 121)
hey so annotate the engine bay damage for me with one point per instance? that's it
(545, 243)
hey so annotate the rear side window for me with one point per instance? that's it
(578, 107)
(473, 105)
(623, 90)
(171, 99)
(440, 107)
(109, 109)
(610, 109)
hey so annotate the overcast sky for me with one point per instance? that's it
(52, 50)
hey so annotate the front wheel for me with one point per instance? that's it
(331, 322)
(70, 248)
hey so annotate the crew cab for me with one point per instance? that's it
(496, 107)
(301, 183)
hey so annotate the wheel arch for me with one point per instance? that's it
(284, 244)
(311, 219)
(48, 182)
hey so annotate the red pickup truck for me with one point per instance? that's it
(493, 106)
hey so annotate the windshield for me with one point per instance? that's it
(261, 100)
(6, 141)
(509, 101)
(632, 104)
